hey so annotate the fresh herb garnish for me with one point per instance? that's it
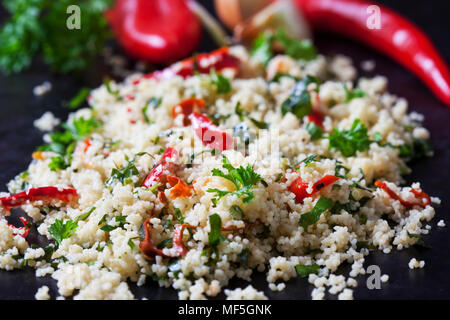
(222, 83)
(125, 174)
(243, 178)
(314, 131)
(38, 27)
(299, 101)
(304, 271)
(297, 49)
(79, 98)
(350, 141)
(61, 230)
(153, 102)
(419, 241)
(352, 94)
(215, 236)
(119, 219)
(236, 212)
(311, 217)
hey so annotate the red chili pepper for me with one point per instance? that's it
(218, 60)
(178, 238)
(159, 31)
(186, 108)
(157, 174)
(418, 193)
(146, 245)
(211, 135)
(299, 187)
(397, 37)
(47, 194)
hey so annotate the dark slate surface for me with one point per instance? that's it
(18, 138)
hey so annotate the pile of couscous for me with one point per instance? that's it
(217, 166)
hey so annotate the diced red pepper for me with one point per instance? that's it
(186, 108)
(47, 194)
(299, 187)
(317, 118)
(146, 245)
(157, 174)
(22, 231)
(178, 238)
(87, 144)
(179, 188)
(418, 193)
(211, 135)
(217, 60)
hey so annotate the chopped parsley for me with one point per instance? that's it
(215, 234)
(61, 230)
(243, 178)
(125, 174)
(222, 83)
(236, 212)
(63, 143)
(419, 241)
(311, 217)
(299, 101)
(350, 141)
(153, 102)
(304, 271)
(262, 48)
(81, 96)
(352, 94)
(121, 223)
(315, 132)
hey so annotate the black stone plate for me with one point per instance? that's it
(18, 139)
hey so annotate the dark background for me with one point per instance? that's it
(18, 138)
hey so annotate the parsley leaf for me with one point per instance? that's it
(62, 230)
(352, 94)
(243, 178)
(222, 83)
(152, 102)
(215, 236)
(79, 98)
(39, 27)
(314, 131)
(350, 141)
(124, 174)
(305, 271)
(299, 101)
(311, 217)
(297, 49)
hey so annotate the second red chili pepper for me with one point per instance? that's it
(397, 37)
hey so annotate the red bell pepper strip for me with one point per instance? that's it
(179, 188)
(158, 31)
(146, 245)
(299, 187)
(47, 194)
(218, 60)
(211, 135)
(178, 238)
(22, 231)
(418, 193)
(397, 37)
(157, 174)
(186, 107)
(317, 118)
